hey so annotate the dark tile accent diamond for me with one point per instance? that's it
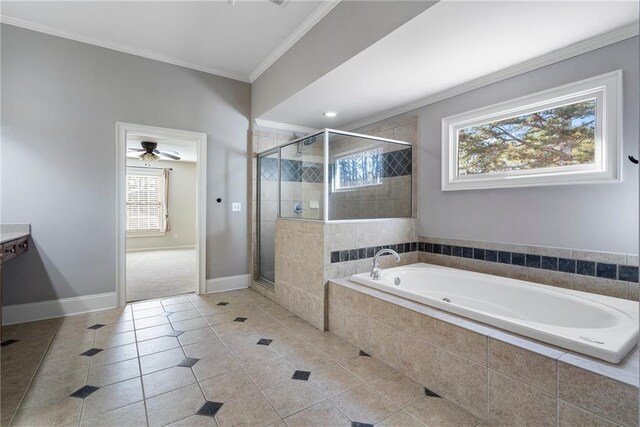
(96, 326)
(608, 271)
(209, 409)
(478, 254)
(175, 333)
(533, 261)
(239, 319)
(628, 273)
(517, 259)
(491, 256)
(223, 303)
(8, 342)
(586, 268)
(91, 352)
(456, 251)
(301, 375)
(358, 424)
(429, 393)
(504, 257)
(567, 265)
(335, 257)
(549, 263)
(264, 341)
(467, 252)
(188, 362)
(362, 353)
(83, 392)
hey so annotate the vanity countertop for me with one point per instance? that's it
(9, 232)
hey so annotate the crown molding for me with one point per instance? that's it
(298, 33)
(284, 126)
(144, 53)
(553, 57)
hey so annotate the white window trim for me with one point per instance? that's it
(606, 88)
(149, 233)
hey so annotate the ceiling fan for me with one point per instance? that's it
(151, 154)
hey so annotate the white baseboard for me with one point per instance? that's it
(228, 283)
(20, 313)
(167, 248)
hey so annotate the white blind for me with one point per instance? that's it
(144, 203)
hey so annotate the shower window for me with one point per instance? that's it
(359, 170)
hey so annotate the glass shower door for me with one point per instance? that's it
(268, 188)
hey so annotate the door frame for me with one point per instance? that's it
(200, 139)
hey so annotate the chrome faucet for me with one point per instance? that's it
(375, 271)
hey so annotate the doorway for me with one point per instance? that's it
(161, 189)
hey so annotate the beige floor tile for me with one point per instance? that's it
(286, 344)
(271, 372)
(195, 421)
(251, 354)
(149, 322)
(157, 345)
(153, 332)
(59, 412)
(64, 366)
(307, 358)
(228, 387)
(364, 405)
(400, 419)
(114, 315)
(100, 376)
(239, 340)
(174, 300)
(142, 314)
(197, 335)
(112, 397)
(292, 396)
(163, 360)
(183, 306)
(205, 348)
(398, 388)
(216, 365)
(114, 355)
(367, 368)
(53, 388)
(333, 380)
(232, 327)
(133, 415)
(167, 380)
(435, 411)
(336, 348)
(252, 410)
(322, 414)
(189, 324)
(174, 406)
(118, 327)
(145, 305)
(108, 340)
(217, 319)
(183, 315)
(206, 310)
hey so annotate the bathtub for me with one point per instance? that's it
(598, 326)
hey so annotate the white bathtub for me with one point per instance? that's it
(595, 325)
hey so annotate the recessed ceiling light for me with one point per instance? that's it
(329, 114)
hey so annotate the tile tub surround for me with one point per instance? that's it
(271, 369)
(500, 377)
(10, 232)
(603, 273)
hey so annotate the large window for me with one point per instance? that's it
(560, 136)
(359, 170)
(145, 203)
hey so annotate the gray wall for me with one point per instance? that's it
(602, 217)
(60, 102)
(347, 30)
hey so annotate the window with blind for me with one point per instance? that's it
(144, 203)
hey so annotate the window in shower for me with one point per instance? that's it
(359, 170)
(564, 135)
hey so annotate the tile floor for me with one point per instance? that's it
(227, 359)
(160, 273)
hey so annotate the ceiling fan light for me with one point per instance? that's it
(149, 157)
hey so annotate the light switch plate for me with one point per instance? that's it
(236, 207)
(314, 204)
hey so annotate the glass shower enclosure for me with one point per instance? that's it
(331, 176)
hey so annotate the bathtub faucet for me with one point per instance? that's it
(375, 271)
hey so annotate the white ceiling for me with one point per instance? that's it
(452, 43)
(187, 151)
(210, 36)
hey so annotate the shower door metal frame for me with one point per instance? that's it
(259, 158)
